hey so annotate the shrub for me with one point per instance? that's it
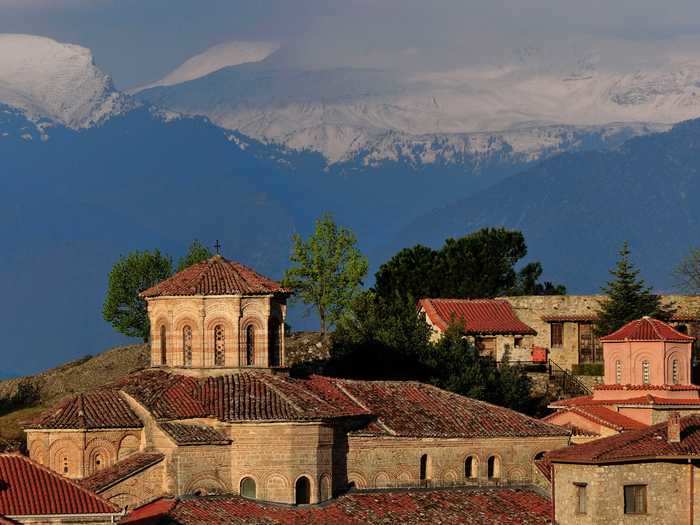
(588, 369)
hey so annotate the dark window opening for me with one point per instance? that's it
(303, 491)
(557, 338)
(635, 499)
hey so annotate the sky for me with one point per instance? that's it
(139, 41)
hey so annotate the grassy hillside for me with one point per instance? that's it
(71, 378)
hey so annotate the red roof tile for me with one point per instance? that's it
(576, 318)
(126, 468)
(649, 442)
(607, 417)
(647, 329)
(413, 507)
(151, 513)
(191, 434)
(216, 276)
(479, 316)
(410, 409)
(29, 489)
(103, 408)
(675, 388)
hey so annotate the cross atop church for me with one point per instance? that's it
(217, 247)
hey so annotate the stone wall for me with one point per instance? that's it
(380, 462)
(78, 453)
(138, 489)
(202, 315)
(668, 491)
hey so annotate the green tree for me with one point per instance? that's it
(197, 252)
(327, 270)
(687, 273)
(123, 307)
(627, 298)
(478, 265)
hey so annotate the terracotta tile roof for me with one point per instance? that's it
(121, 470)
(545, 467)
(413, 409)
(29, 489)
(647, 443)
(676, 388)
(191, 434)
(103, 408)
(606, 417)
(216, 276)
(152, 513)
(656, 400)
(480, 316)
(647, 329)
(575, 318)
(410, 507)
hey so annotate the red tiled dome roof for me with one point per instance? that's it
(479, 316)
(647, 329)
(216, 276)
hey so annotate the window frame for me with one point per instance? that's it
(581, 497)
(560, 333)
(641, 487)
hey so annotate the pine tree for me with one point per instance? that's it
(628, 298)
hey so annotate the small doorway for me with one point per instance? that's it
(302, 491)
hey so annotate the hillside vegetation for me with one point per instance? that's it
(46, 388)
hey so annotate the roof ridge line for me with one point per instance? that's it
(378, 419)
(278, 392)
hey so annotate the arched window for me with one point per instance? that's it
(66, 466)
(248, 488)
(324, 488)
(302, 491)
(675, 372)
(471, 467)
(163, 346)
(219, 345)
(425, 467)
(494, 468)
(250, 345)
(618, 371)
(682, 328)
(646, 372)
(187, 345)
(273, 351)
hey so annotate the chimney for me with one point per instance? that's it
(674, 427)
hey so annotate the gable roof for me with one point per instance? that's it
(478, 316)
(602, 415)
(647, 329)
(30, 489)
(103, 408)
(647, 443)
(473, 506)
(216, 276)
(387, 408)
(135, 463)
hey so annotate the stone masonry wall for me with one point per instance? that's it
(138, 489)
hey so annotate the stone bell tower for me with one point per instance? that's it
(215, 316)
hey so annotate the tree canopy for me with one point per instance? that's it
(627, 297)
(479, 265)
(197, 252)
(123, 307)
(327, 270)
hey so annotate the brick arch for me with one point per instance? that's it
(182, 320)
(683, 375)
(209, 342)
(498, 465)
(475, 466)
(636, 372)
(382, 480)
(517, 474)
(450, 477)
(404, 477)
(157, 344)
(65, 448)
(99, 449)
(325, 487)
(127, 446)
(357, 480)
(37, 452)
(260, 333)
(276, 487)
(208, 484)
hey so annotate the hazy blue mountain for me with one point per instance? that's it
(576, 209)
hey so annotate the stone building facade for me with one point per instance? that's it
(218, 413)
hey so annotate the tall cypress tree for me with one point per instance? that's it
(628, 298)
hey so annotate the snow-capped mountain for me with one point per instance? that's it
(523, 102)
(59, 82)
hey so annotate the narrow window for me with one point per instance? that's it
(325, 488)
(675, 372)
(645, 372)
(635, 499)
(303, 491)
(580, 498)
(187, 345)
(470, 467)
(163, 347)
(557, 339)
(518, 341)
(494, 468)
(273, 358)
(618, 372)
(424, 470)
(219, 345)
(65, 465)
(250, 345)
(248, 489)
